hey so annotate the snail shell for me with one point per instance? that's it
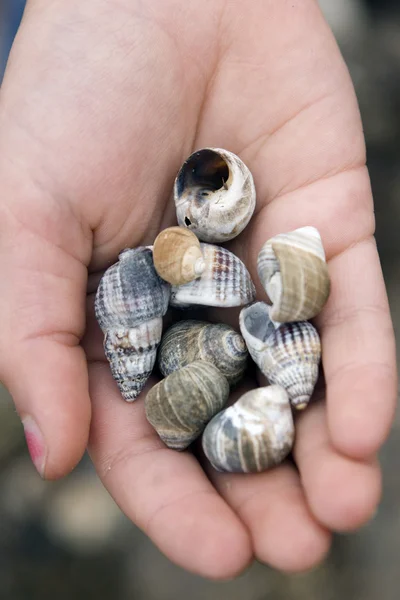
(224, 282)
(288, 355)
(214, 195)
(177, 255)
(130, 302)
(132, 354)
(189, 341)
(254, 434)
(180, 406)
(293, 271)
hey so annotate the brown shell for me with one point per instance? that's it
(177, 256)
(293, 271)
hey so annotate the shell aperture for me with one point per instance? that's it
(288, 355)
(214, 195)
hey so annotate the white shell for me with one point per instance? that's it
(254, 434)
(225, 281)
(214, 195)
(292, 269)
(288, 355)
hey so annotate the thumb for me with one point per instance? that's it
(42, 254)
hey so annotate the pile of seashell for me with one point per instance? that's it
(201, 362)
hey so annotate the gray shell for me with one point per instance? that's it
(132, 354)
(214, 195)
(130, 292)
(225, 282)
(288, 355)
(254, 434)
(130, 302)
(219, 344)
(181, 405)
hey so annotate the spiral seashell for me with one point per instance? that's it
(132, 354)
(177, 255)
(293, 271)
(130, 302)
(224, 282)
(180, 406)
(189, 341)
(289, 355)
(214, 195)
(253, 435)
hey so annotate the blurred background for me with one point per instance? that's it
(67, 539)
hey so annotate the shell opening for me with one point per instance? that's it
(257, 321)
(274, 288)
(205, 169)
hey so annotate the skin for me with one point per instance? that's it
(101, 103)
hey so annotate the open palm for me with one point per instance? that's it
(101, 103)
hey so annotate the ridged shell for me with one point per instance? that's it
(130, 291)
(293, 271)
(214, 195)
(254, 434)
(180, 406)
(224, 282)
(130, 302)
(132, 354)
(289, 355)
(177, 255)
(189, 341)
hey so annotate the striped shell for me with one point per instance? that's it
(177, 255)
(188, 341)
(253, 435)
(181, 405)
(293, 271)
(130, 302)
(130, 291)
(214, 195)
(224, 282)
(132, 354)
(289, 355)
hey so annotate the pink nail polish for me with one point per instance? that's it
(36, 444)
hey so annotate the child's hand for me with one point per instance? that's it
(101, 103)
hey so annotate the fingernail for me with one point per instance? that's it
(36, 444)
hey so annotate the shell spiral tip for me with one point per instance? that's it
(199, 266)
(300, 403)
